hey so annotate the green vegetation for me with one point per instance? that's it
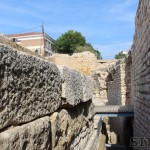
(88, 47)
(120, 55)
(74, 42)
(68, 42)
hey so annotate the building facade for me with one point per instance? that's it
(36, 41)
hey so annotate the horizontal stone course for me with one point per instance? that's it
(64, 129)
(29, 87)
(67, 126)
(42, 106)
(141, 70)
(76, 87)
(31, 136)
(72, 89)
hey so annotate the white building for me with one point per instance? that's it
(35, 41)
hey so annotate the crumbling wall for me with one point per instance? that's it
(84, 62)
(42, 106)
(119, 83)
(116, 95)
(100, 76)
(141, 71)
(119, 93)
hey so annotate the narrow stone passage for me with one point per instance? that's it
(86, 104)
(115, 109)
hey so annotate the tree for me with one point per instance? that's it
(74, 42)
(68, 42)
(120, 55)
(88, 47)
(98, 54)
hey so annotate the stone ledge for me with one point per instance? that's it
(34, 135)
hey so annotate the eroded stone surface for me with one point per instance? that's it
(84, 62)
(141, 72)
(66, 125)
(72, 87)
(32, 136)
(76, 87)
(82, 139)
(29, 87)
(100, 82)
(87, 88)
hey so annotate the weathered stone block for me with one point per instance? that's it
(31, 136)
(72, 87)
(29, 87)
(66, 125)
(87, 88)
(81, 140)
(76, 87)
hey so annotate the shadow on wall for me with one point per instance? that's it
(128, 132)
(119, 93)
(128, 80)
(114, 86)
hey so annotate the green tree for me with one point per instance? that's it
(98, 54)
(120, 55)
(68, 42)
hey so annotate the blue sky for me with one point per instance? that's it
(107, 24)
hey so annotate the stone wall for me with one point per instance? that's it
(84, 62)
(100, 76)
(119, 83)
(87, 64)
(119, 93)
(141, 71)
(42, 106)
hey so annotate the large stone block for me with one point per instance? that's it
(72, 88)
(81, 140)
(76, 87)
(87, 88)
(31, 136)
(66, 125)
(29, 87)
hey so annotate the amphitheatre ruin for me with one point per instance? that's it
(76, 102)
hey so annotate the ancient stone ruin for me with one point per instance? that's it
(43, 106)
(50, 103)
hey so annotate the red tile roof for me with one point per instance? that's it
(24, 34)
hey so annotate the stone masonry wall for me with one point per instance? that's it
(42, 106)
(141, 71)
(119, 83)
(84, 62)
(119, 93)
(100, 76)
